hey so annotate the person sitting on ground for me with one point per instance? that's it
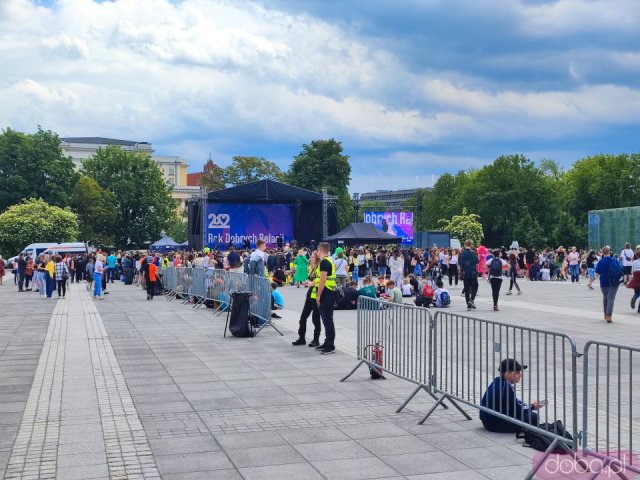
(425, 298)
(393, 293)
(347, 297)
(534, 271)
(277, 302)
(279, 277)
(407, 290)
(381, 288)
(367, 290)
(501, 397)
(441, 296)
(415, 285)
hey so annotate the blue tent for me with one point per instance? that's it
(165, 244)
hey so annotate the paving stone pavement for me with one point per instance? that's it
(151, 389)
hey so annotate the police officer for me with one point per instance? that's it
(325, 295)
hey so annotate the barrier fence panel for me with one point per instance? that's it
(394, 338)
(467, 354)
(170, 280)
(198, 285)
(260, 302)
(217, 289)
(610, 419)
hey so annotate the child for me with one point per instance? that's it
(277, 302)
(406, 288)
(368, 290)
(441, 296)
(382, 283)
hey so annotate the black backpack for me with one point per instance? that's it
(533, 439)
(495, 269)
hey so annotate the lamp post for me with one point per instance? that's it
(356, 206)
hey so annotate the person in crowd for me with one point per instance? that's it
(347, 298)
(310, 308)
(441, 296)
(341, 263)
(61, 273)
(98, 273)
(42, 275)
(495, 269)
(277, 302)
(111, 272)
(609, 271)
(501, 397)
(325, 296)
(88, 273)
(28, 273)
(574, 265)
(353, 266)
(512, 260)
(626, 256)
(534, 271)
(426, 296)
(301, 263)
(151, 275)
(381, 262)
(392, 293)
(396, 267)
(634, 282)
(407, 288)
(361, 260)
(591, 261)
(468, 263)
(258, 259)
(367, 290)
(49, 276)
(21, 269)
(279, 277)
(234, 260)
(452, 266)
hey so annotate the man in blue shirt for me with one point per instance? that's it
(609, 271)
(501, 397)
(277, 302)
(111, 264)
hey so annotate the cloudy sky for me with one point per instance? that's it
(412, 88)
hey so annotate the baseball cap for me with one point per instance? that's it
(511, 365)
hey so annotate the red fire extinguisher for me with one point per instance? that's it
(376, 358)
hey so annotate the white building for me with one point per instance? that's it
(173, 168)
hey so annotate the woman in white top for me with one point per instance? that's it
(452, 266)
(574, 265)
(341, 270)
(627, 257)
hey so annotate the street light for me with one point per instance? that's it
(356, 206)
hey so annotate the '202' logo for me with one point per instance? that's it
(221, 220)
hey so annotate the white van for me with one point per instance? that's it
(75, 248)
(35, 249)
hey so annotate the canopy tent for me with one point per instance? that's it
(361, 233)
(165, 244)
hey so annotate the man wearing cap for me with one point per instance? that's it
(501, 397)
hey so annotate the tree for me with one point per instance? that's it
(370, 206)
(178, 230)
(145, 206)
(464, 227)
(33, 166)
(34, 221)
(97, 210)
(212, 177)
(322, 164)
(251, 169)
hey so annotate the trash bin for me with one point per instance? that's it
(239, 316)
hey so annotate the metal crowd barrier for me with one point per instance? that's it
(169, 281)
(610, 425)
(402, 333)
(202, 285)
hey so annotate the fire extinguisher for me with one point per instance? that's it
(376, 358)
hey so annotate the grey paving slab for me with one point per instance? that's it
(315, 452)
(300, 471)
(354, 469)
(192, 462)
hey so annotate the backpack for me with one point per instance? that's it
(495, 269)
(445, 298)
(540, 442)
(615, 273)
(427, 291)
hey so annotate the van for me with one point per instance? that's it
(75, 248)
(35, 249)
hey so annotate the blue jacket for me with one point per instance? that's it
(501, 397)
(610, 272)
(468, 262)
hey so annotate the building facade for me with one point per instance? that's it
(173, 168)
(392, 199)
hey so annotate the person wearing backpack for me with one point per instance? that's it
(425, 298)
(468, 267)
(501, 397)
(609, 271)
(441, 296)
(494, 268)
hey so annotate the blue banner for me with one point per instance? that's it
(236, 222)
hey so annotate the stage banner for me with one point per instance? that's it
(235, 222)
(399, 224)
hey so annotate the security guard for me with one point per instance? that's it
(325, 295)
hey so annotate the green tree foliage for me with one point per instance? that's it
(322, 164)
(250, 169)
(370, 206)
(34, 221)
(465, 226)
(178, 230)
(97, 210)
(145, 206)
(32, 165)
(212, 177)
